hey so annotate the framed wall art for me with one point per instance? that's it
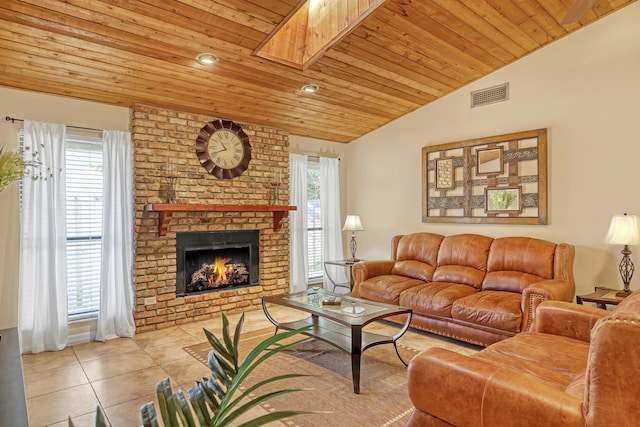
(497, 180)
(489, 161)
(444, 174)
(502, 199)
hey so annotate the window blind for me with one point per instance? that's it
(84, 225)
(314, 224)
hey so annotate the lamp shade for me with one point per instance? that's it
(624, 230)
(352, 223)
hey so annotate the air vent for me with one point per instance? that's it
(490, 95)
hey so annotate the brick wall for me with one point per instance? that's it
(160, 134)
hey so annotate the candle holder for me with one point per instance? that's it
(276, 182)
(171, 187)
(171, 177)
(276, 192)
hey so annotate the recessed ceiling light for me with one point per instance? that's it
(310, 88)
(207, 59)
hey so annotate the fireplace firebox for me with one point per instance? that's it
(216, 260)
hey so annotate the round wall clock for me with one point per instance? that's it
(223, 149)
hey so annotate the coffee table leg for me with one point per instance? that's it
(356, 356)
(399, 334)
(271, 319)
(355, 372)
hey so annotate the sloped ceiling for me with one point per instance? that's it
(404, 55)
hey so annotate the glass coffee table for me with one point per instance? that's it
(339, 320)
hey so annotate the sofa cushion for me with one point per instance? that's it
(387, 288)
(414, 269)
(460, 274)
(463, 259)
(516, 262)
(553, 358)
(434, 298)
(419, 247)
(494, 309)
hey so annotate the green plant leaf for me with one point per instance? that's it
(217, 345)
(275, 416)
(212, 392)
(165, 400)
(220, 369)
(226, 336)
(252, 404)
(213, 388)
(184, 411)
(199, 405)
(149, 417)
(236, 338)
(258, 355)
(100, 419)
(262, 383)
(265, 350)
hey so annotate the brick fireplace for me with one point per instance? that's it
(161, 135)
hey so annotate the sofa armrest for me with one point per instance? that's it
(463, 390)
(367, 269)
(534, 294)
(567, 319)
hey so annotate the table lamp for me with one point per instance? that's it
(624, 230)
(353, 224)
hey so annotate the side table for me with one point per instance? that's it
(601, 297)
(348, 264)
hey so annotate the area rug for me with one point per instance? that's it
(383, 400)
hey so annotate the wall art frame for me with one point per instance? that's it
(494, 180)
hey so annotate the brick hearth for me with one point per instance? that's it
(161, 134)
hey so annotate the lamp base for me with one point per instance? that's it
(623, 293)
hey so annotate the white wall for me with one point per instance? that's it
(44, 108)
(585, 89)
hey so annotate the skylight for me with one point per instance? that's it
(306, 34)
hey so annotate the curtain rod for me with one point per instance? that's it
(13, 120)
(314, 156)
(318, 157)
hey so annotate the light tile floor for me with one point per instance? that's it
(121, 375)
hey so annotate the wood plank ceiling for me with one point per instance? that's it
(404, 55)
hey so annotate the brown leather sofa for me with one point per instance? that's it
(467, 286)
(580, 366)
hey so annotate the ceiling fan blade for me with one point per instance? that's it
(577, 11)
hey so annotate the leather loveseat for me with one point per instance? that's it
(580, 366)
(469, 287)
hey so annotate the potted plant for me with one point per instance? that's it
(11, 167)
(217, 401)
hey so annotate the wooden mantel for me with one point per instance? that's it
(166, 210)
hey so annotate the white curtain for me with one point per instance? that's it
(331, 221)
(115, 318)
(298, 222)
(42, 311)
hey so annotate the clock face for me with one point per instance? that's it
(223, 149)
(226, 149)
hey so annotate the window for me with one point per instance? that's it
(84, 225)
(315, 242)
(83, 170)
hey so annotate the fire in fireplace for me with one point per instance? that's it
(211, 261)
